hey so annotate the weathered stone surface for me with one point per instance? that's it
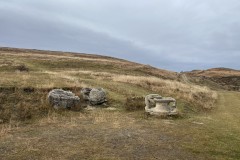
(59, 98)
(97, 96)
(85, 93)
(157, 105)
(149, 100)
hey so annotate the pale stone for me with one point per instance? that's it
(85, 93)
(59, 98)
(149, 100)
(157, 105)
(95, 96)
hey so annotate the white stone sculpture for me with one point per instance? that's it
(161, 106)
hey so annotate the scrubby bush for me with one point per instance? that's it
(134, 103)
(22, 68)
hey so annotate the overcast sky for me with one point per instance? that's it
(176, 35)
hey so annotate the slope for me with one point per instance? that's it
(222, 78)
(31, 129)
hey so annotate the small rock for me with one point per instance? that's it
(97, 96)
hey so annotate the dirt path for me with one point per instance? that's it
(185, 79)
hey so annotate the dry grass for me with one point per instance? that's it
(95, 135)
(101, 134)
(22, 104)
(120, 88)
(198, 95)
(5, 129)
(36, 131)
(216, 72)
(193, 94)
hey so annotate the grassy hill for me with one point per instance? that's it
(222, 78)
(27, 76)
(31, 129)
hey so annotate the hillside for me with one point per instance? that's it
(40, 71)
(31, 129)
(224, 78)
(65, 60)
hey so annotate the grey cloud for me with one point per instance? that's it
(170, 34)
(49, 35)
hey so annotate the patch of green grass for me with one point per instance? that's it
(219, 134)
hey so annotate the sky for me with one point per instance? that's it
(178, 35)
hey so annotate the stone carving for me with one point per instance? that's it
(162, 106)
(149, 100)
(95, 96)
(59, 98)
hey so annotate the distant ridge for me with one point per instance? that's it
(225, 78)
(222, 69)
